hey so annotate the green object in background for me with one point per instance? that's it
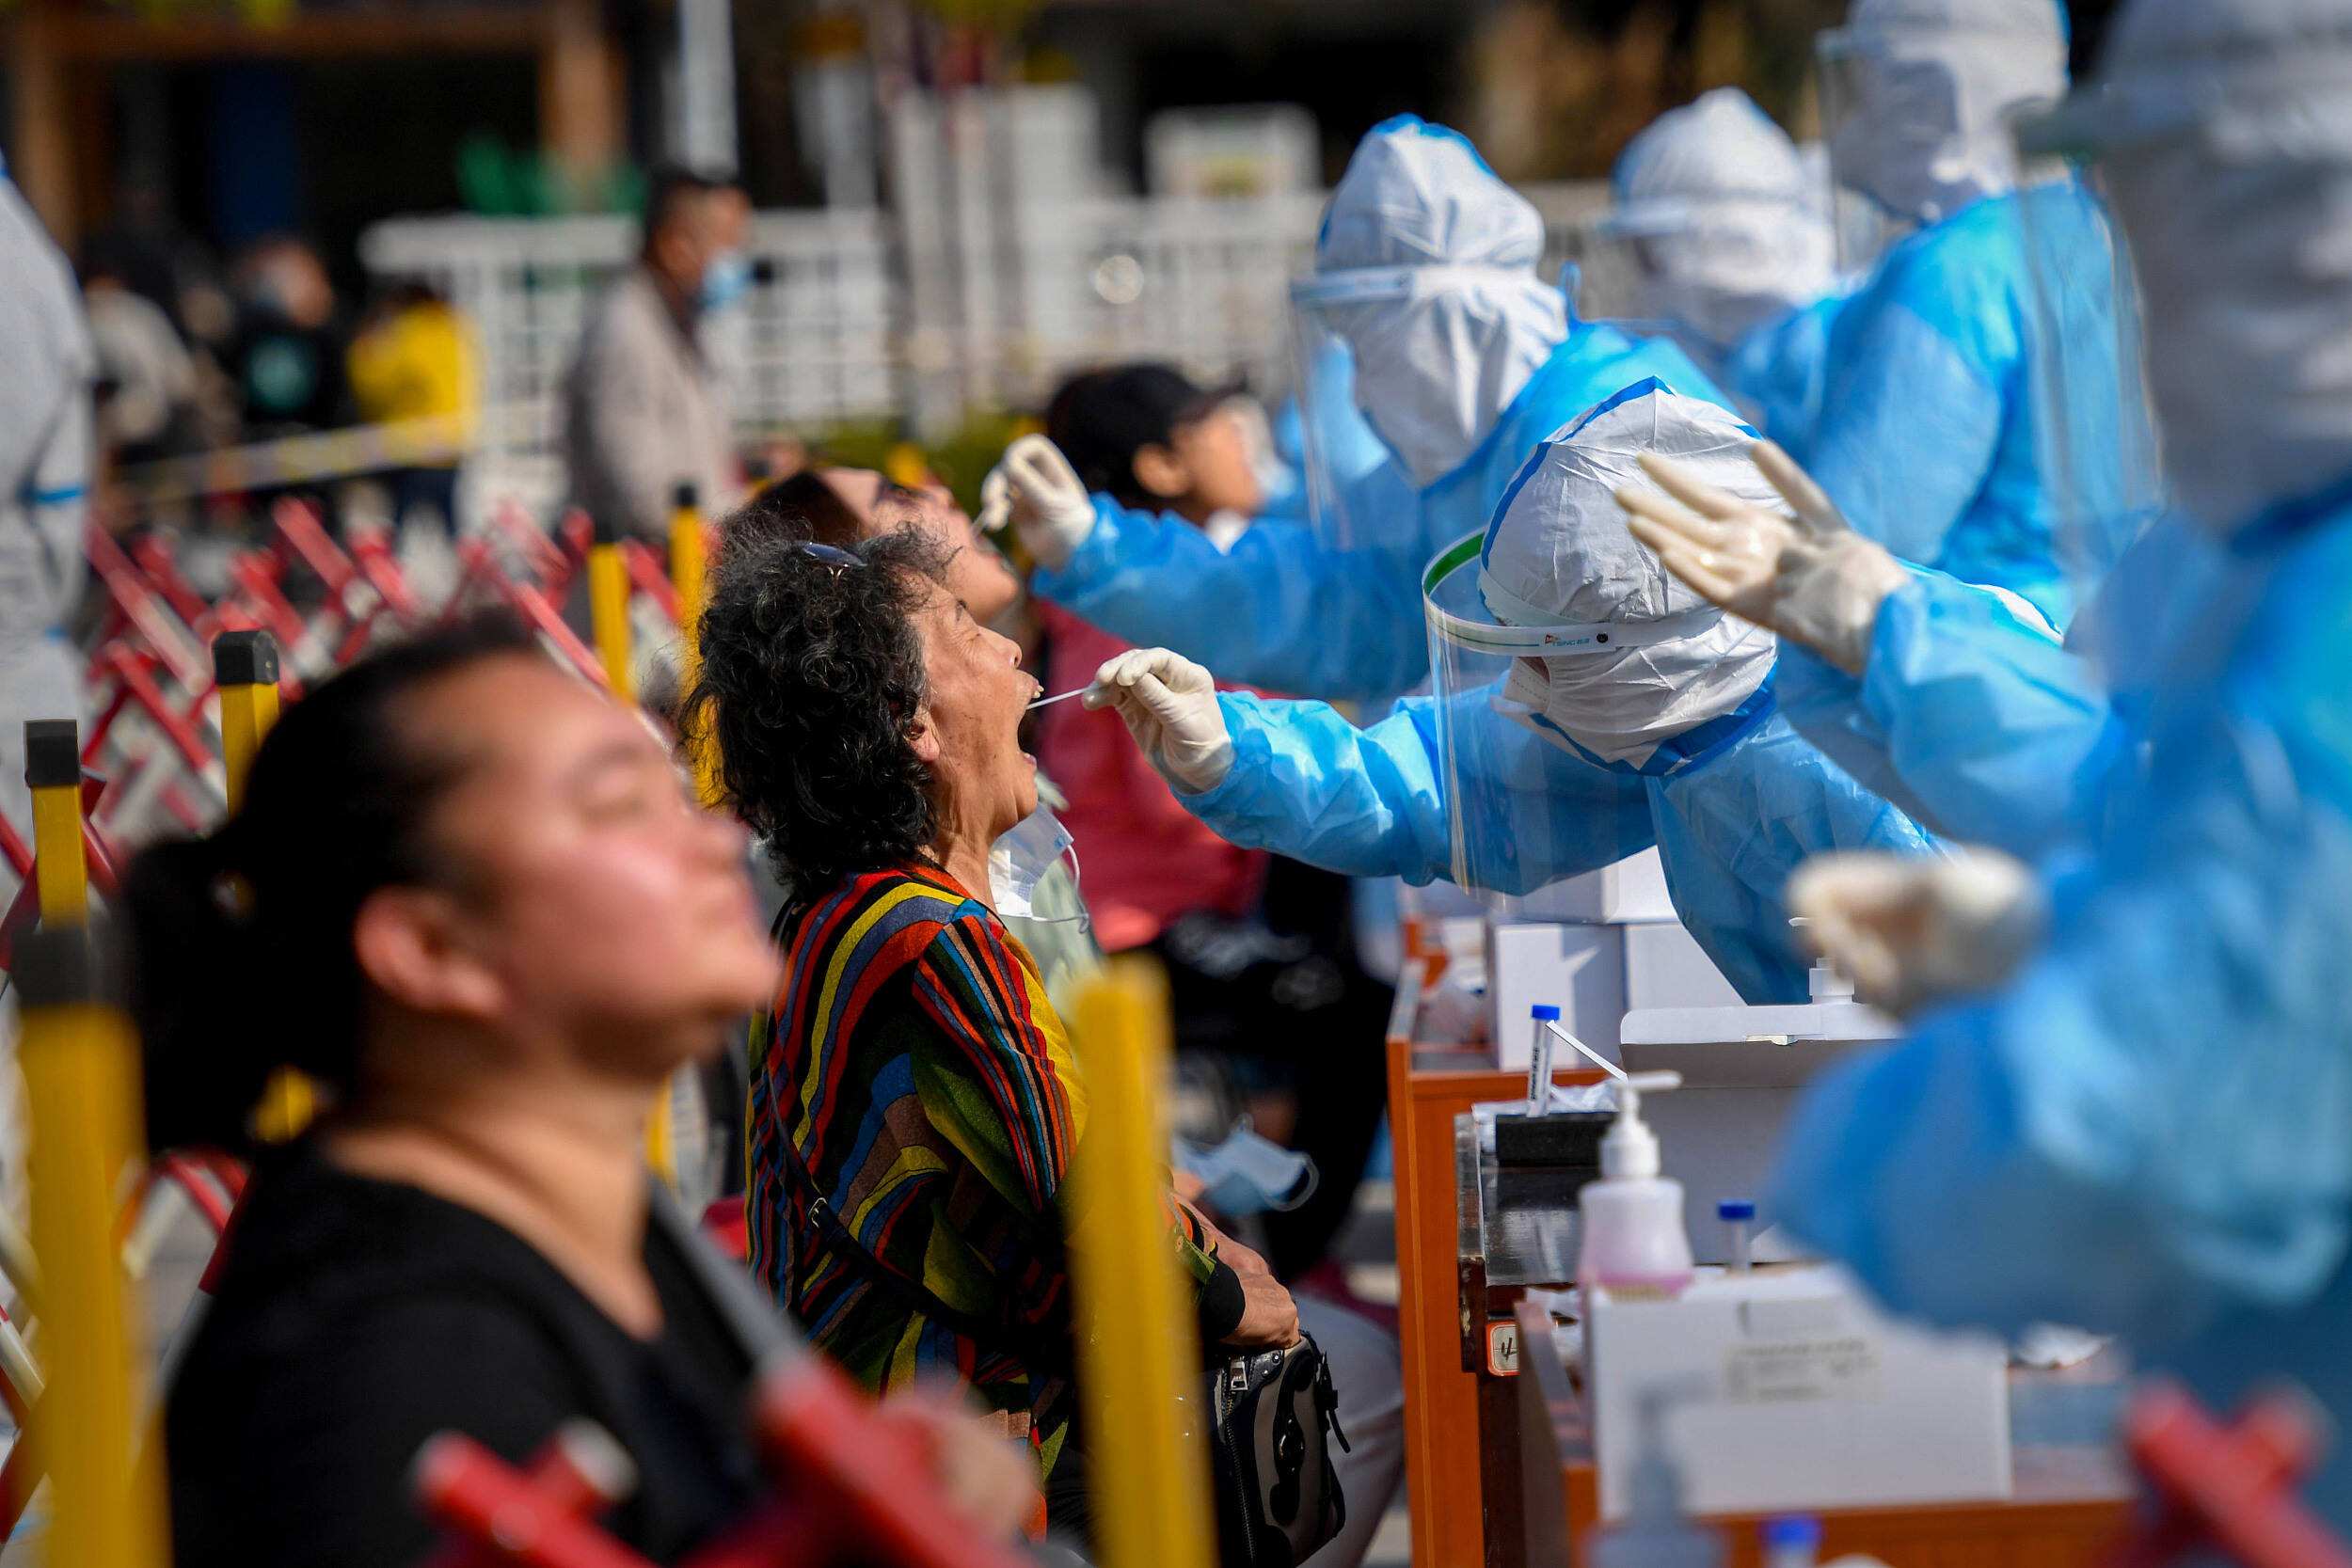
(960, 461)
(497, 181)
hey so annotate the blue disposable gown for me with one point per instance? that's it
(1733, 807)
(1926, 433)
(1974, 720)
(1287, 607)
(2145, 1132)
(1776, 372)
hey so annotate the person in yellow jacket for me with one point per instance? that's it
(415, 360)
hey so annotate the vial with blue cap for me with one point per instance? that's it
(1792, 1541)
(1539, 1057)
(1739, 1217)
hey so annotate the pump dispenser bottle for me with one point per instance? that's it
(1655, 1532)
(1634, 1243)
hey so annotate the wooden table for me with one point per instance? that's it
(1426, 1089)
(1458, 1491)
(2069, 1503)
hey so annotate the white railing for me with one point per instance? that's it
(848, 321)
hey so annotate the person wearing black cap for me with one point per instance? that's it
(1149, 437)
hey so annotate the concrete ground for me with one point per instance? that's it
(1368, 1248)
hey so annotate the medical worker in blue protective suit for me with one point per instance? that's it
(1426, 301)
(1928, 401)
(2142, 1127)
(1586, 707)
(1777, 373)
(1725, 235)
(1957, 701)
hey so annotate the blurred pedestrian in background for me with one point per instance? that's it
(286, 358)
(415, 358)
(643, 411)
(147, 377)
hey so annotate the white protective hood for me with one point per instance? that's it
(1442, 351)
(2224, 133)
(1558, 553)
(1929, 86)
(1730, 223)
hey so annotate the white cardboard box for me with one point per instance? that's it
(1665, 967)
(1793, 1394)
(1633, 889)
(1578, 969)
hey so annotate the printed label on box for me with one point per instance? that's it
(1803, 1371)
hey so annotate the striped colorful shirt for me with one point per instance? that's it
(914, 1061)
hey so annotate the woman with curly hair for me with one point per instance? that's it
(914, 1098)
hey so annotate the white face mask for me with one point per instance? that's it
(1224, 527)
(1440, 353)
(1622, 707)
(1736, 267)
(2247, 271)
(1558, 555)
(1019, 860)
(1927, 132)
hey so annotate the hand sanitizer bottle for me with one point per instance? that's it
(1654, 1533)
(1634, 1241)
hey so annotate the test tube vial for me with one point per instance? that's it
(1539, 1057)
(1792, 1541)
(1738, 1215)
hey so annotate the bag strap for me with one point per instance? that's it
(1040, 1348)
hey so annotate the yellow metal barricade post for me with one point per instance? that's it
(244, 667)
(80, 1061)
(689, 567)
(1138, 1349)
(661, 1148)
(53, 769)
(607, 613)
(687, 549)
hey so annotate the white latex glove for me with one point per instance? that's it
(1168, 704)
(1051, 509)
(1914, 930)
(1809, 577)
(996, 513)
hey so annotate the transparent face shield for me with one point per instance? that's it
(1338, 448)
(1397, 377)
(1863, 94)
(1499, 771)
(2095, 437)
